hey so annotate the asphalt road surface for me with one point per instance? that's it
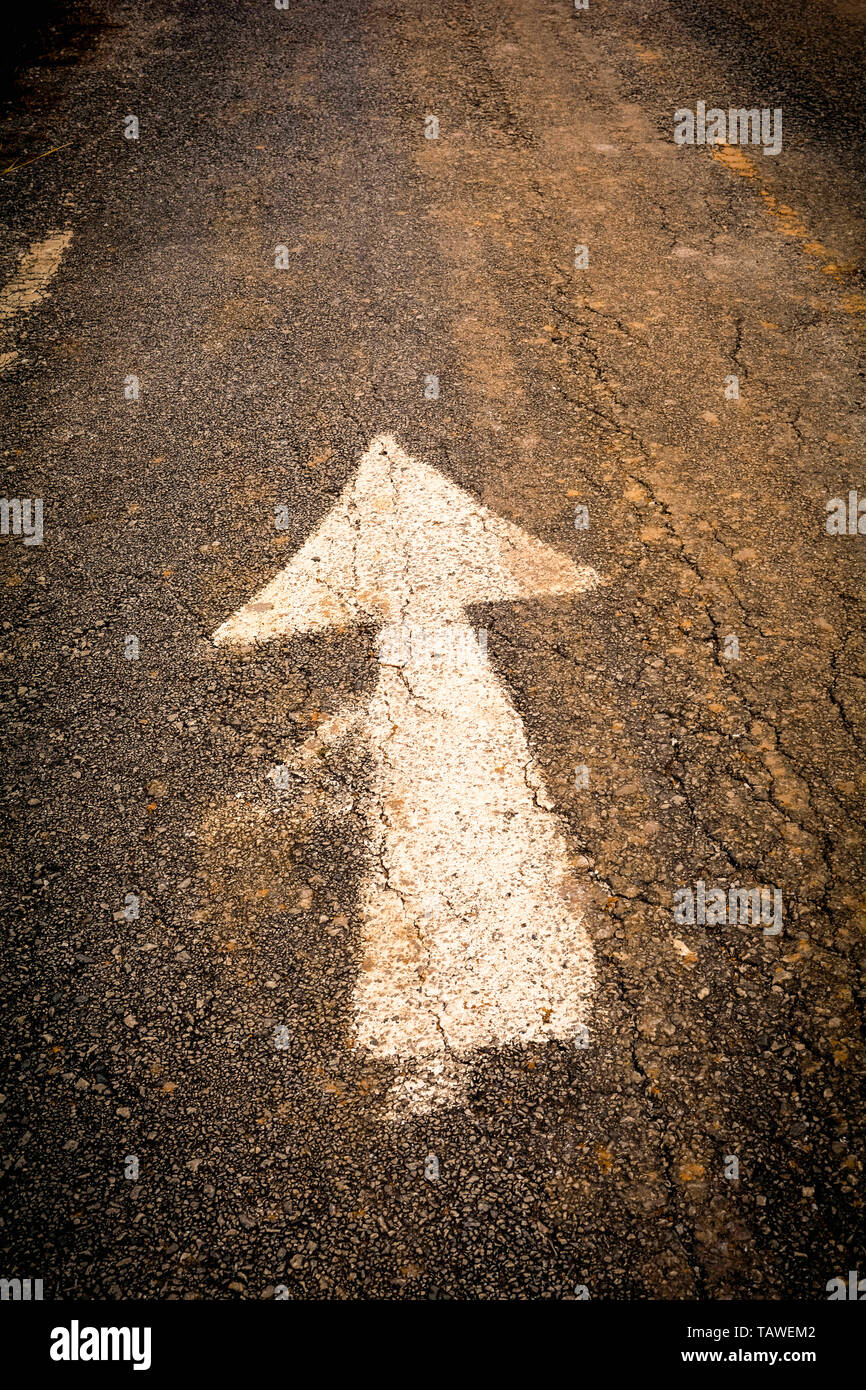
(262, 1036)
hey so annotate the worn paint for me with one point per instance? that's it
(29, 286)
(472, 937)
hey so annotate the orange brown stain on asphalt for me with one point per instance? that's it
(790, 224)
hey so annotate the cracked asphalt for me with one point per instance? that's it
(269, 1170)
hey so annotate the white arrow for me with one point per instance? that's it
(470, 934)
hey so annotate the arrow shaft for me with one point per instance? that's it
(470, 939)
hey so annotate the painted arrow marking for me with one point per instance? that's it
(471, 935)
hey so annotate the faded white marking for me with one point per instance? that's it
(28, 287)
(471, 935)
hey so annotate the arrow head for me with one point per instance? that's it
(403, 544)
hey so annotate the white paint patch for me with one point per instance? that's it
(471, 937)
(29, 286)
